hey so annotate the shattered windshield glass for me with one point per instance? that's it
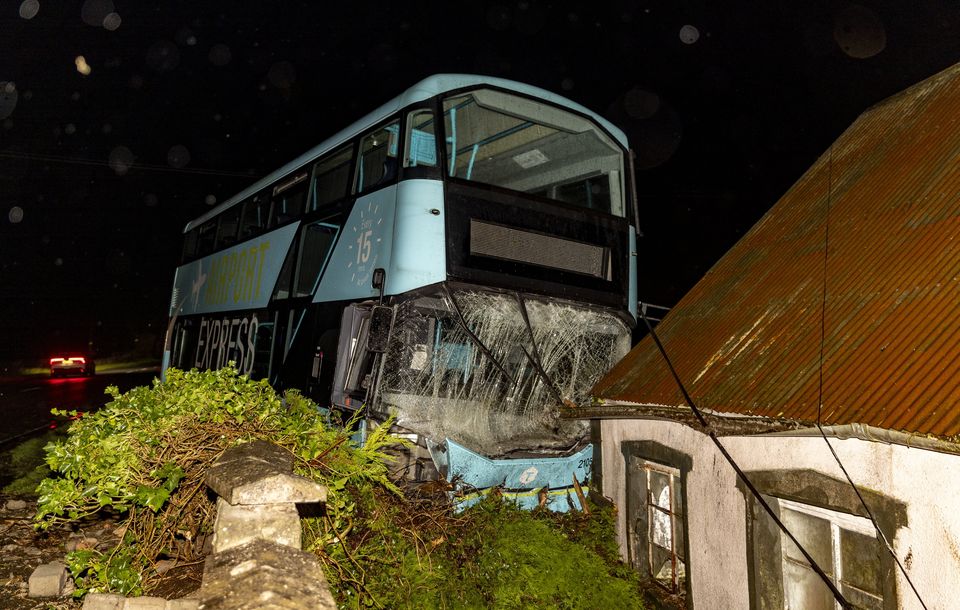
(497, 389)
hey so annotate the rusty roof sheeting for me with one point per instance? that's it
(746, 338)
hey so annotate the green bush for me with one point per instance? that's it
(143, 457)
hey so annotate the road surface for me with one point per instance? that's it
(25, 402)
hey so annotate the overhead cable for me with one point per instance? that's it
(823, 333)
(740, 474)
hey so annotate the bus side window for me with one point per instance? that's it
(207, 237)
(421, 140)
(190, 244)
(315, 244)
(378, 158)
(227, 231)
(289, 198)
(332, 178)
(256, 212)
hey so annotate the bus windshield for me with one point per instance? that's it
(533, 147)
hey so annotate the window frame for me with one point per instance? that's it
(838, 522)
(356, 190)
(628, 201)
(817, 491)
(668, 460)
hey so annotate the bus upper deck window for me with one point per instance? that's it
(289, 197)
(332, 178)
(227, 231)
(256, 212)
(534, 147)
(378, 158)
(190, 244)
(207, 237)
(421, 139)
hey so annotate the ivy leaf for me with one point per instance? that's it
(151, 497)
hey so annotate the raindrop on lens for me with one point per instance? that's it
(282, 75)
(163, 56)
(641, 104)
(178, 156)
(95, 11)
(121, 158)
(15, 214)
(859, 32)
(689, 34)
(219, 55)
(111, 22)
(29, 9)
(8, 98)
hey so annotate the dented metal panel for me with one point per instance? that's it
(747, 337)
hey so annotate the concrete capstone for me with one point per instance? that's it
(48, 580)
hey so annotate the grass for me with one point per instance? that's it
(23, 464)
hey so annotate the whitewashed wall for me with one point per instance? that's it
(927, 482)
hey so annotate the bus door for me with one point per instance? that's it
(364, 332)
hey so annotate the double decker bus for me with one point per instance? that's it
(463, 257)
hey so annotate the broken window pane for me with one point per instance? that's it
(813, 533)
(803, 589)
(861, 561)
(665, 526)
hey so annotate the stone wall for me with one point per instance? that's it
(256, 560)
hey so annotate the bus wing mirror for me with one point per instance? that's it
(381, 323)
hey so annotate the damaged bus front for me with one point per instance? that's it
(461, 259)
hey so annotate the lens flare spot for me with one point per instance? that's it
(94, 12)
(82, 66)
(111, 22)
(178, 156)
(859, 32)
(8, 98)
(120, 160)
(689, 34)
(29, 9)
(220, 55)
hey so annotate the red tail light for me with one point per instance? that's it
(79, 359)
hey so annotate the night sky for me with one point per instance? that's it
(121, 121)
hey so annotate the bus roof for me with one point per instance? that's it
(425, 89)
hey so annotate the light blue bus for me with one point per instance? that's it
(462, 257)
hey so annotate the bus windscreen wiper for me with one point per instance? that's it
(476, 340)
(535, 357)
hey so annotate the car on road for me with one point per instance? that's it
(72, 365)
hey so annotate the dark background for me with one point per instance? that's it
(186, 103)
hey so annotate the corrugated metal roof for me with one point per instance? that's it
(746, 338)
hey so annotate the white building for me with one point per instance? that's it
(846, 295)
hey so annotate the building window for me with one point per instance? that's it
(845, 546)
(828, 519)
(664, 526)
(656, 517)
